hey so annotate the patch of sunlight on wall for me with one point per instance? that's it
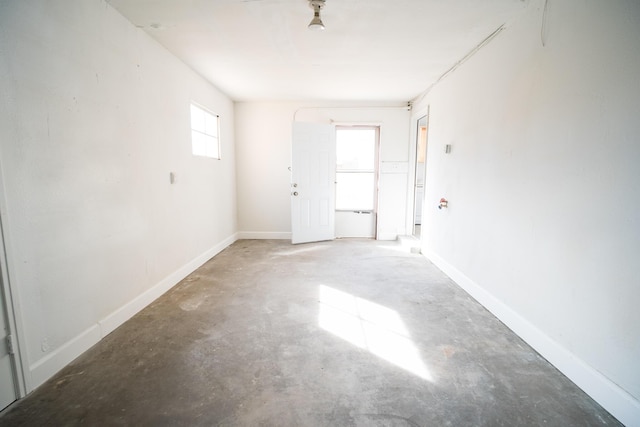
(372, 327)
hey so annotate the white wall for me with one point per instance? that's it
(543, 185)
(94, 115)
(263, 144)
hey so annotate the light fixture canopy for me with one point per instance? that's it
(316, 22)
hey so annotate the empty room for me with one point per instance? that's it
(319, 212)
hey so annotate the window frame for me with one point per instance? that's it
(375, 170)
(216, 155)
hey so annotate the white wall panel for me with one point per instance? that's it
(94, 117)
(543, 184)
(263, 131)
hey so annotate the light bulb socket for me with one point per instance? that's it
(316, 22)
(316, 5)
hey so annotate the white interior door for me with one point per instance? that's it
(7, 381)
(313, 182)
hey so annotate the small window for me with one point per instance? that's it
(205, 131)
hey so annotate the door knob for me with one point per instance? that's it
(295, 193)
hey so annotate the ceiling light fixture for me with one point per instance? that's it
(316, 22)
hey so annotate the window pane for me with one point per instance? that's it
(204, 145)
(355, 149)
(198, 143)
(197, 119)
(212, 147)
(211, 124)
(354, 191)
(204, 133)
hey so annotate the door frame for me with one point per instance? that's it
(378, 130)
(11, 307)
(419, 202)
(416, 115)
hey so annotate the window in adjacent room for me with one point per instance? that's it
(205, 133)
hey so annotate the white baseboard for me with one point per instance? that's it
(286, 235)
(609, 395)
(127, 311)
(264, 235)
(48, 366)
(387, 236)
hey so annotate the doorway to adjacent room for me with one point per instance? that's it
(420, 174)
(356, 181)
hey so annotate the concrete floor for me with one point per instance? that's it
(344, 333)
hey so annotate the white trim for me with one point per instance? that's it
(608, 394)
(411, 174)
(46, 367)
(127, 311)
(264, 235)
(351, 107)
(357, 124)
(19, 381)
(12, 298)
(416, 115)
(387, 236)
(49, 365)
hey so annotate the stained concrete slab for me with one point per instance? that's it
(343, 333)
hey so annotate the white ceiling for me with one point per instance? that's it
(382, 50)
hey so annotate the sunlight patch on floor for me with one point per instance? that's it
(370, 326)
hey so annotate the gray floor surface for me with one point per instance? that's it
(343, 333)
